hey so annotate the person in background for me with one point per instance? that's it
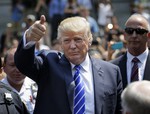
(56, 45)
(71, 9)
(141, 10)
(135, 98)
(10, 102)
(2, 73)
(40, 46)
(84, 12)
(136, 33)
(56, 15)
(24, 86)
(85, 3)
(105, 13)
(55, 73)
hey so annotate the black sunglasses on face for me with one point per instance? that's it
(139, 31)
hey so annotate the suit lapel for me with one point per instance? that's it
(123, 68)
(147, 68)
(68, 78)
(98, 84)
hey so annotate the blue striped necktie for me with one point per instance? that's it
(79, 94)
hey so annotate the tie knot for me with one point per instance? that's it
(77, 67)
(135, 60)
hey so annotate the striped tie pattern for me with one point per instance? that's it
(79, 94)
(134, 72)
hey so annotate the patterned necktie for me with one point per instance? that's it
(79, 95)
(134, 72)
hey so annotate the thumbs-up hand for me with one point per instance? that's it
(37, 30)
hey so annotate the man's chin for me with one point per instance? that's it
(75, 60)
(18, 82)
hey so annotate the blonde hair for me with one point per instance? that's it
(75, 25)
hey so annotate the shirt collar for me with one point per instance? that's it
(142, 57)
(85, 64)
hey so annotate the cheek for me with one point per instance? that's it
(87, 46)
(64, 48)
(9, 70)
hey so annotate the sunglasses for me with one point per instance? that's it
(139, 31)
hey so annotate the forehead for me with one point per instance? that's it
(137, 22)
(73, 34)
(10, 55)
(10, 58)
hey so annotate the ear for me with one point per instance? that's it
(89, 43)
(148, 34)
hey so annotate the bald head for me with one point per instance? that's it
(136, 98)
(138, 20)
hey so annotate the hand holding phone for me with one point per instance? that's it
(117, 45)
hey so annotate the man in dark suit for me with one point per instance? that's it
(54, 72)
(136, 34)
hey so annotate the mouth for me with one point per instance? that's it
(18, 75)
(74, 54)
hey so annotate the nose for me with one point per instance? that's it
(72, 44)
(134, 34)
(17, 70)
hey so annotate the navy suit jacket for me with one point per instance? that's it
(52, 72)
(122, 63)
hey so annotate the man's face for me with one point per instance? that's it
(136, 40)
(75, 47)
(13, 75)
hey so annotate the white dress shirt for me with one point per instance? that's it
(87, 77)
(141, 65)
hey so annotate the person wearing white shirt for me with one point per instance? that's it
(21, 84)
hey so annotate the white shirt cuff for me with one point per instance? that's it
(25, 44)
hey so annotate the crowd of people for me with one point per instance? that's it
(61, 58)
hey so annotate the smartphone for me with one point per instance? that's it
(117, 45)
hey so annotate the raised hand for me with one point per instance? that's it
(37, 30)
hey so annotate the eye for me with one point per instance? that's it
(66, 41)
(78, 40)
(12, 65)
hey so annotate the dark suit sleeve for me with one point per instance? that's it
(26, 61)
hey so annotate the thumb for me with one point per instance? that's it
(42, 19)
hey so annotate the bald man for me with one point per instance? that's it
(137, 31)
